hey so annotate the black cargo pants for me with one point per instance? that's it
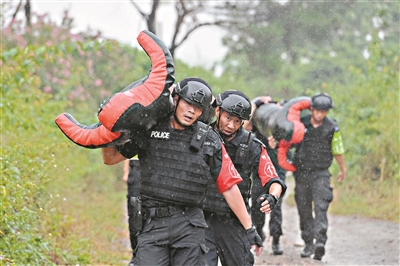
(313, 190)
(226, 238)
(178, 239)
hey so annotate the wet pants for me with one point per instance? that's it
(313, 194)
(173, 240)
(226, 239)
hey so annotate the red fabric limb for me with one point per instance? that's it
(228, 176)
(143, 94)
(89, 138)
(293, 116)
(283, 148)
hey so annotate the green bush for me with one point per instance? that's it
(42, 171)
(368, 112)
(26, 116)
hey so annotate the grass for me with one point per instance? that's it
(93, 224)
(375, 199)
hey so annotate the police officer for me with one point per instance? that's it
(258, 218)
(225, 237)
(313, 157)
(131, 175)
(178, 156)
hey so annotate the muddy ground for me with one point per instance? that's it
(351, 241)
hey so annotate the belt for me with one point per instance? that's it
(221, 214)
(227, 215)
(159, 212)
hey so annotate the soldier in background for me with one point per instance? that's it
(258, 218)
(225, 237)
(312, 158)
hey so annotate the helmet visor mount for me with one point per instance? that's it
(235, 110)
(197, 98)
(195, 92)
(235, 105)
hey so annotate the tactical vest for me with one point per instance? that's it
(240, 156)
(173, 171)
(315, 151)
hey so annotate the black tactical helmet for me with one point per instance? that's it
(195, 91)
(321, 101)
(235, 103)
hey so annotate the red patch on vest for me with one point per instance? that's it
(228, 176)
(266, 169)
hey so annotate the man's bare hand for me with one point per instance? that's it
(272, 143)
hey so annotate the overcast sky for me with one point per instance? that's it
(118, 19)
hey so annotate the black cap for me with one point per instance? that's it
(235, 103)
(195, 91)
(321, 101)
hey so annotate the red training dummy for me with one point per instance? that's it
(138, 106)
(284, 124)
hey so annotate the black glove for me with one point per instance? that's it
(253, 237)
(272, 200)
(258, 103)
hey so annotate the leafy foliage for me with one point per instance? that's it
(289, 47)
(371, 132)
(42, 172)
(25, 115)
(58, 202)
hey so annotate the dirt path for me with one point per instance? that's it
(351, 241)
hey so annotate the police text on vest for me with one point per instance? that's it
(159, 135)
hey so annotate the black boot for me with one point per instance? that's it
(275, 246)
(131, 262)
(319, 251)
(308, 250)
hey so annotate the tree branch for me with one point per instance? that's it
(139, 10)
(190, 31)
(28, 12)
(15, 14)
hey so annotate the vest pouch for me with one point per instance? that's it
(241, 152)
(137, 214)
(198, 139)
